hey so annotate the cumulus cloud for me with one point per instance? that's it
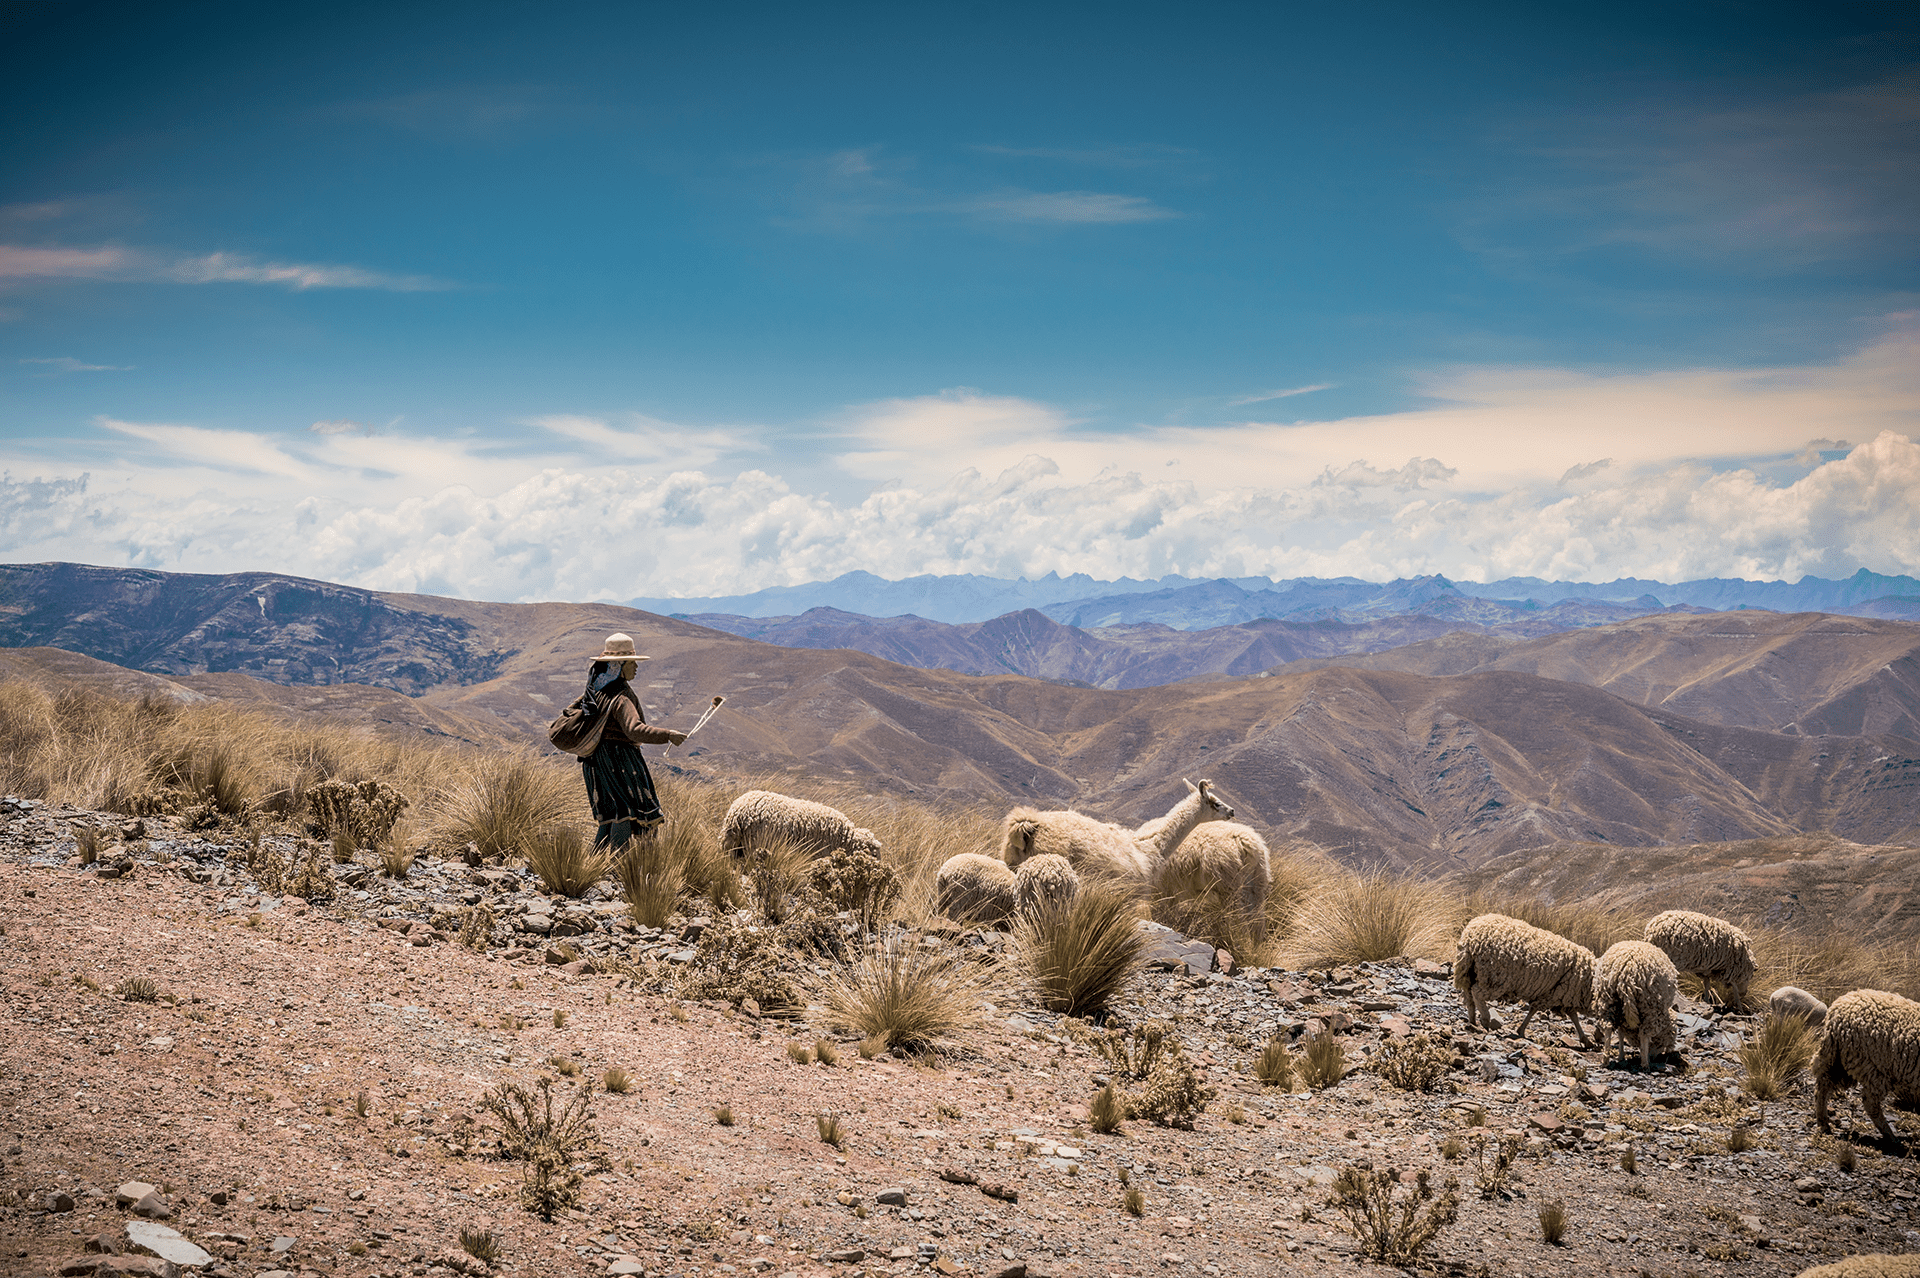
(1698, 479)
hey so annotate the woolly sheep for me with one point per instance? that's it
(971, 888)
(1873, 1039)
(1505, 958)
(1222, 867)
(1104, 850)
(1044, 880)
(1791, 1000)
(761, 819)
(1712, 949)
(1876, 1265)
(1634, 985)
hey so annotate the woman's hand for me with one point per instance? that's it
(675, 738)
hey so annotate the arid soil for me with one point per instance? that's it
(234, 1094)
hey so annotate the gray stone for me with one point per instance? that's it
(282, 1245)
(537, 923)
(626, 1265)
(59, 1200)
(680, 956)
(132, 1192)
(153, 1207)
(164, 1242)
(851, 1256)
(892, 1197)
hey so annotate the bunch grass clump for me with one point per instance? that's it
(651, 875)
(498, 802)
(1368, 918)
(1553, 1222)
(1775, 1055)
(1324, 1062)
(481, 1244)
(1081, 955)
(563, 859)
(1274, 1066)
(906, 993)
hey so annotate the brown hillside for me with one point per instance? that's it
(1808, 673)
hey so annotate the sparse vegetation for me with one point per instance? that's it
(1740, 1139)
(1416, 1064)
(1324, 1062)
(800, 1053)
(1367, 918)
(1776, 1055)
(86, 839)
(559, 1018)
(651, 878)
(1133, 1202)
(1553, 1222)
(825, 1052)
(616, 1080)
(1496, 1170)
(906, 992)
(563, 859)
(362, 1104)
(1274, 1066)
(481, 1244)
(1844, 1157)
(723, 1115)
(1081, 955)
(138, 989)
(1629, 1161)
(1106, 1111)
(1391, 1229)
(530, 1130)
(503, 800)
(856, 881)
(1150, 1058)
(828, 1126)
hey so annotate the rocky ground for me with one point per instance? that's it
(230, 1089)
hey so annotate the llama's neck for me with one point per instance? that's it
(1159, 837)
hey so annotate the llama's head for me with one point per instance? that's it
(1212, 807)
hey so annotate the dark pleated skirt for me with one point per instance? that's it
(619, 786)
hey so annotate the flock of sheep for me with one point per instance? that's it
(1197, 855)
(1871, 1037)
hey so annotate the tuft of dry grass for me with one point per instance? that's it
(1829, 964)
(1553, 1222)
(1324, 1062)
(86, 839)
(559, 1018)
(362, 1104)
(138, 989)
(906, 992)
(480, 1244)
(799, 1053)
(1107, 1110)
(1740, 1139)
(777, 873)
(723, 1115)
(1844, 1157)
(498, 801)
(616, 1080)
(563, 859)
(829, 1129)
(1133, 1202)
(1775, 1055)
(1274, 1066)
(825, 1052)
(651, 875)
(1367, 918)
(1081, 955)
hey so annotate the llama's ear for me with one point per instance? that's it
(1191, 787)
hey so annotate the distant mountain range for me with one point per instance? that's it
(1448, 751)
(1187, 603)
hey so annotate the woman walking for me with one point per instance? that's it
(618, 784)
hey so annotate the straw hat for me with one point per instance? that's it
(620, 648)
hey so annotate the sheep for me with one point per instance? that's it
(1221, 867)
(1044, 880)
(1873, 1039)
(971, 888)
(761, 819)
(1712, 949)
(1634, 985)
(1873, 1265)
(1502, 957)
(1109, 851)
(1791, 1000)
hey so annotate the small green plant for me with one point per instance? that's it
(1324, 1063)
(1133, 1202)
(825, 1052)
(1274, 1066)
(723, 1115)
(362, 1104)
(559, 1019)
(799, 1053)
(616, 1080)
(565, 1067)
(1392, 1229)
(138, 989)
(1740, 1139)
(87, 839)
(1629, 1161)
(1107, 1110)
(1416, 1064)
(480, 1244)
(828, 1125)
(1553, 1222)
(1776, 1055)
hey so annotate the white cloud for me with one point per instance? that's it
(1263, 396)
(26, 262)
(1067, 206)
(340, 426)
(68, 364)
(1697, 477)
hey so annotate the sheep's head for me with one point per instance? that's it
(863, 840)
(1212, 808)
(1022, 825)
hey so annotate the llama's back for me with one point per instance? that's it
(1095, 849)
(1222, 864)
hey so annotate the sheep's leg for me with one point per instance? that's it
(1522, 1031)
(1872, 1095)
(1822, 1090)
(1575, 1018)
(1646, 1048)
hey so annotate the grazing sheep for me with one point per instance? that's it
(1222, 867)
(1875, 1265)
(1110, 851)
(1634, 985)
(971, 888)
(1044, 880)
(1873, 1039)
(760, 819)
(1506, 958)
(1712, 949)
(1791, 1000)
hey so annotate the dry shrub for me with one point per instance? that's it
(1133, 1202)
(503, 800)
(86, 840)
(563, 859)
(1777, 1054)
(1392, 1229)
(651, 877)
(364, 812)
(1496, 1171)
(800, 1053)
(907, 992)
(1416, 1064)
(1151, 1059)
(778, 872)
(1274, 1066)
(857, 881)
(546, 1141)
(829, 1129)
(476, 927)
(1081, 955)
(738, 960)
(1324, 1062)
(1367, 918)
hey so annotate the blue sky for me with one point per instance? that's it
(408, 295)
